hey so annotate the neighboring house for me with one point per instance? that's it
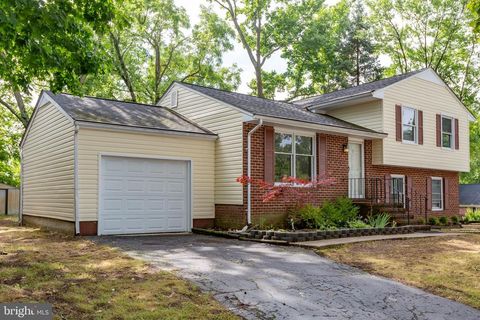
(137, 168)
(469, 197)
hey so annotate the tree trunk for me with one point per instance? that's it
(358, 65)
(122, 68)
(21, 107)
(157, 73)
(258, 76)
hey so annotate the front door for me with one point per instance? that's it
(356, 183)
(397, 189)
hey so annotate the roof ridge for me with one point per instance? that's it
(107, 99)
(364, 84)
(234, 92)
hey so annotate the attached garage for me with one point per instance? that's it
(95, 166)
(139, 195)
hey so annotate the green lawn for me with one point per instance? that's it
(446, 266)
(84, 280)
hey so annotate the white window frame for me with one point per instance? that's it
(415, 127)
(441, 194)
(452, 141)
(293, 172)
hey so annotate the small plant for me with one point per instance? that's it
(454, 219)
(310, 217)
(358, 224)
(379, 221)
(472, 216)
(443, 220)
(264, 224)
(420, 221)
(433, 221)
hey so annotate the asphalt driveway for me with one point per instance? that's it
(259, 281)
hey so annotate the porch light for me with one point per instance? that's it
(345, 148)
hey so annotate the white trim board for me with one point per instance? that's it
(123, 128)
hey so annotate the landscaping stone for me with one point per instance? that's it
(301, 235)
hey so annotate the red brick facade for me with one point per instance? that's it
(419, 182)
(275, 212)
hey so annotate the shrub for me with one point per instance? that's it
(443, 220)
(347, 208)
(472, 216)
(338, 213)
(379, 221)
(308, 216)
(358, 224)
(454, 219)
(332, 214)
(433, 221)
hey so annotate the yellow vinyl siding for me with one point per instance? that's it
(93, 142)
(368, 115)
(432, 99)
(225, 121)
(48, 166)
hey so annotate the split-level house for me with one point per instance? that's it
(398, 143)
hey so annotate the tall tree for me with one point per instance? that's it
(48, 42)
(358, 51)
(10, 133)
(151, 44)
(474, 7)
(434, 34)
(315, 61)
(258, 25)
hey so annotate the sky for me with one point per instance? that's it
(238, 55)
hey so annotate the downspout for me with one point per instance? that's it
(20, 209)
(75, 178)
(249, 171)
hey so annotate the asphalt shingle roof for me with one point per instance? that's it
(272, 108)
(98, 110)
(353, 91)
(469, 194)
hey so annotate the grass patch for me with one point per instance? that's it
(446, 266)
(84, 280)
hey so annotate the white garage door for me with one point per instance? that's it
(143, 196)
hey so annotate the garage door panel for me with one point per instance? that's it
(174, 223)
(176, 187)
(143, 195)
(136, 167)
(156, 169)
(156, 186)
(112, 165)
(113, 184)
(156, 206)
(135, 185)
(112, 204)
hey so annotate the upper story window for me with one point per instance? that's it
(294, 156)
(447, 132)
(437, 193)
(409, 125)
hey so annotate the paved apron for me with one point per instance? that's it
(259, 281)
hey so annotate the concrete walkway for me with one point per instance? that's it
(340, 241)
(261, 281)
